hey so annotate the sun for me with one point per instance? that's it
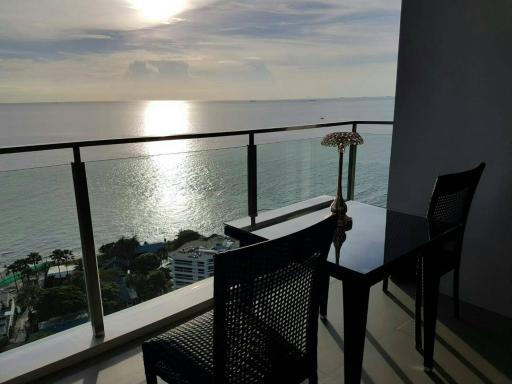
(159, 10)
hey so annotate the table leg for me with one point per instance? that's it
(430, 299)
(385, 284)
(355, 312)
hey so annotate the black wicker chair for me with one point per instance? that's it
(449, 208)
(264, 322)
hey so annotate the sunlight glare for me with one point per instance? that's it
(162, 118)
(159, 10)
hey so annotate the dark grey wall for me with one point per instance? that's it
(454, 110)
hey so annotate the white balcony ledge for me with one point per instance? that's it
(32, 361)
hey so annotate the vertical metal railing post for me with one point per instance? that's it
(92, 281)
(352, 155)
(252, 183)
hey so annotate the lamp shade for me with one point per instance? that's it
(342, 140)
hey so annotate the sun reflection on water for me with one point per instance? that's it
(169, 159)
(163, 118)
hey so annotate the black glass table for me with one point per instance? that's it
(380, 241)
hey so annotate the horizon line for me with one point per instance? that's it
(311, 99)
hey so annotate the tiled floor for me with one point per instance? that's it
(474, 350)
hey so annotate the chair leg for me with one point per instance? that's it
(431, 294)
(418, 304)
(456, 309)
(324, 296)
(385, 283)
(150, 378)
(150, 375)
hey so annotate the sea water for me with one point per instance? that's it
(153, 190)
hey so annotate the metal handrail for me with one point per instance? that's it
(186, 136)
(82, 195)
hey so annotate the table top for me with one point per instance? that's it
(378, 240)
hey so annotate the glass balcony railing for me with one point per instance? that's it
(111, 234)
(294, 171)
(372, 169)
(157, 220)
(41, 286)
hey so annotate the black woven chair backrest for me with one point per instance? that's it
(451, 199)
(266, 299)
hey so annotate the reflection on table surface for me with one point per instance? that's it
(378, 236)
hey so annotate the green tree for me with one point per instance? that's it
(184, 236)
(145, 263)
(159, 281)
(20, 267)
(57, 257)
(78, 280)
(110, 297)
(29, 296)
(67, 255)
(25, 270)
(152, 284)
(34, 258)
(60, 300)
(13, 270)
(110, 274)
(60, 256)
(121, 251)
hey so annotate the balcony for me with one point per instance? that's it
(223, 175)
(464, 356)
(254, 169)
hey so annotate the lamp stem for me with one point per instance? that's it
(339, 193)
(338, 206)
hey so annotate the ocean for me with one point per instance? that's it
(153, 190)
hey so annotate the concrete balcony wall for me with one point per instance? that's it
(454, 110)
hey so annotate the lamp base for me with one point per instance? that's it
(344, 224)
(339, 207)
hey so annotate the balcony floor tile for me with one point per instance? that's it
(390, 356)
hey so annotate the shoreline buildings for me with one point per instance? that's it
(194, 260)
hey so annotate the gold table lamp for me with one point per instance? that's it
(338, 206)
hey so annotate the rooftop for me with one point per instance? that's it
(149, 248)
(61, 271)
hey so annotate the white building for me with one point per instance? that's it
(194, 262)
(61, 271)
(7, 317)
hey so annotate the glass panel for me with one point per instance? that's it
(41, 286)
(294, 171)
(155, 219)
(372, 169)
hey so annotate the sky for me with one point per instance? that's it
(89, 50)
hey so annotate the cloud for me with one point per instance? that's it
(311, 6)
(43, 20)
(245, 49)
(141, 69)
(158, 70)
(170, 68)
(248, 71)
